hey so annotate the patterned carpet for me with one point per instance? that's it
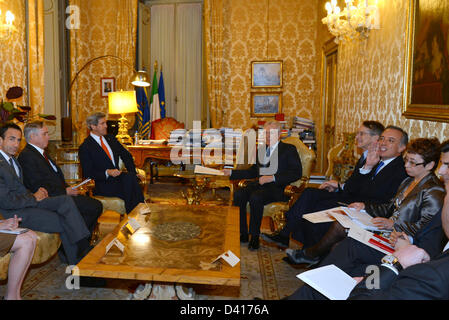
(263, 273)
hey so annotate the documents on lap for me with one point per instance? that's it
(323, 216)
(330, 281)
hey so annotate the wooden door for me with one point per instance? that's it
(328, 101)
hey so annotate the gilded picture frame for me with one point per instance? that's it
(426, 81)
(266, 104)
(266, 74)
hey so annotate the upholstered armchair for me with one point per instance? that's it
(46, 247)
(160, 130)
(276, 210)
(342, 158)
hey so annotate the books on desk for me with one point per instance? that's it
(330, 281)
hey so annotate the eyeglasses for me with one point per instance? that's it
(412, 163)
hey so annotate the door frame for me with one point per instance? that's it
(328, 48)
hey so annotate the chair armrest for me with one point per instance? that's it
(294, 192)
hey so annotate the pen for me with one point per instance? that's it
(342, 203)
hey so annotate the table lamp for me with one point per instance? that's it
(122, 102)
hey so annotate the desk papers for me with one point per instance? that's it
(330, 281)
(206, 170)
(229, 257)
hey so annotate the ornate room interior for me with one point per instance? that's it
(68, 55)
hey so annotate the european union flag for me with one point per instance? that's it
(144, 112)
(161, 92)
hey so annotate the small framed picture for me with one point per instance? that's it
(266, 74)
(266, 104)
(107, 85)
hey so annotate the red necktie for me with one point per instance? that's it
(46, 158)
(105, 148)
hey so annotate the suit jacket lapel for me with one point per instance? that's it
(11, 169)
(100, 149)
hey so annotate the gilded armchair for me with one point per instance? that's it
(276, 210)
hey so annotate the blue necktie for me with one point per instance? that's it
(381, 164)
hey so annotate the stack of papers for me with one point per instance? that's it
(206, 170)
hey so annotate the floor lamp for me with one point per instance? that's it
(139, 79)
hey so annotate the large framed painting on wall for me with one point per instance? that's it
(266, 74)
(266, 104)
(426, 87)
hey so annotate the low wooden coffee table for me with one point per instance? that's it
(176, 244)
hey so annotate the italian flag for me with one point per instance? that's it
(155, 110)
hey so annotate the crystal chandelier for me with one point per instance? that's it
(6, 26)
(354, 22)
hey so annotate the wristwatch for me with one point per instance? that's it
(392, 261)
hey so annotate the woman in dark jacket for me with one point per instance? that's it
(418, 199)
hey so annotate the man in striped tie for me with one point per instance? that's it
(100, 155)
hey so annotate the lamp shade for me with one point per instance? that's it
(141, 79)
(121, 102)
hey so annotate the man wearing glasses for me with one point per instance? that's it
(376, 179)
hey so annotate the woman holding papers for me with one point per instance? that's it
(418, 199)
(22, 246)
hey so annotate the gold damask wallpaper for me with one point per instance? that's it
(106, 28)
(13, 57)
(371, 77)
(259, 30)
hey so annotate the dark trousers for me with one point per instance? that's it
(258, 196)
(57, 215)
(311, 200)
(351, 256)
(125, 186)
(90, 209)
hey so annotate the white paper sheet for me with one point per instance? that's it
(330, 281)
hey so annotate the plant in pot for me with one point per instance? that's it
(11, 111)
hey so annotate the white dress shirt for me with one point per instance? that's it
(386, 162)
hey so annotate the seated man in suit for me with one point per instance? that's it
(40, 171)
(354, 257)
(38, 211)
(376, 179)
(278, 165)
(99, 156)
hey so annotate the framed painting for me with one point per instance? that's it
(266, 74)
(266, 104)
(107, 85)
(426, 81)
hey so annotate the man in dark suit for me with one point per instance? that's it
(277, 165)
(40, 171)
(38, 211)
(405, 274)
(99, 156)
(376, 179)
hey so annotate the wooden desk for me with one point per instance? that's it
(147, 257)
(162, 153)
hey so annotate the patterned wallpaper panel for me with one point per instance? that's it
(13, 64)
(371, 77)
(106, 28)
(268, 30)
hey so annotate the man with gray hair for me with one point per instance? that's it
(278, 165)
(40, 170)
(100, 154)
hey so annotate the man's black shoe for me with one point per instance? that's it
(244, 238)
(253, 243)
(92, 282)
(298, 257)
(276, 238)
